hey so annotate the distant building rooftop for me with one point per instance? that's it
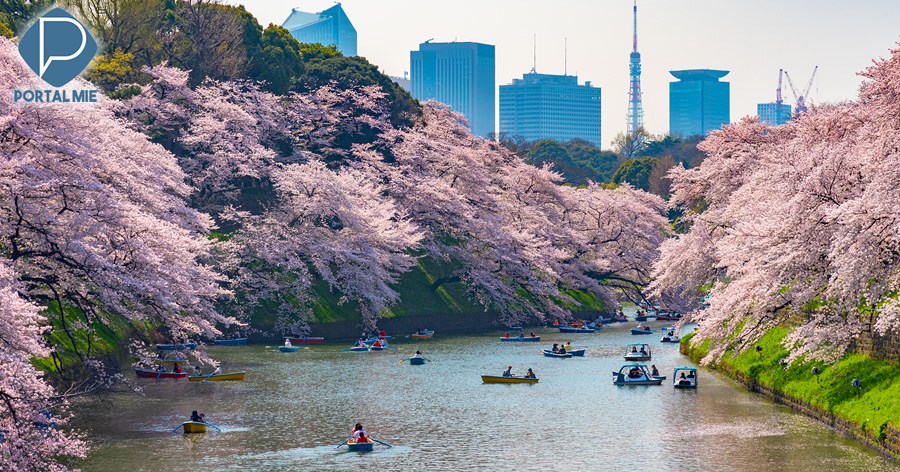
(699, 74)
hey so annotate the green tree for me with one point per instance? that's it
(603, 163)
(110, 70)
(551, 151)
(275, 59)
(636, 172)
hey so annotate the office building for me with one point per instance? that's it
(545, 106)
(698, 102)
(460, 75)
(773, 113)
(330, 27)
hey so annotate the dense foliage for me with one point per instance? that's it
(795, 224)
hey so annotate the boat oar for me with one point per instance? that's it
(345, 442)
(210, 375)
(177, 427)
(381, 442)
(214, 426)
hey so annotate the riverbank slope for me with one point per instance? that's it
(869, 412)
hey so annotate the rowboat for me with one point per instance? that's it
(153, 374)
(176, 347)
(663, 316)
(635, 374)
(359, 349)
(416, 361)
(194, 427)
(638, 352)
(520, 339)
(377, 348)
(689, 379)
(372, 339)
(567, 329)
(639, 330)
(498, 379)
(307, 340)
(233, 376)
(424, 334)
(361, 446)
(640, 318)
(289, 348)
(549, 353)
(230, 342)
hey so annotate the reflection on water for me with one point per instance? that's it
(295, 407)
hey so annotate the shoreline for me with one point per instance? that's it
(888, 446)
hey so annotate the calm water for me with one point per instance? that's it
(294, 408)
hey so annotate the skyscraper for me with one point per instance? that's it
(545, 106)
(773, 113)
(698, 102)
(330, 27)
(635, 105)
(460, 75)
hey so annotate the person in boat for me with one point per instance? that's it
(555, 348)
(532, 334)
(690, 374)
(505, 335)
(176, 369)
(196, 417)
(653, 370)
(634, 349)
(530, 374)
(646, 328)
(508, 372)
(418, 354)
(643, 350)
(382, 332)
(562, 349)
(682, 375)
(377, 343)
(568, 346)
(218, 371)
(634, 373)
(361, 343)
(359, 434)
(287, 342)
(197, 371)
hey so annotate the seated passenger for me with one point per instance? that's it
(555, 348)
(530, 374)
(508, 372)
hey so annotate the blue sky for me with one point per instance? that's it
(752, 39)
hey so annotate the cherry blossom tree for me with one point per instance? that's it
(795, 224)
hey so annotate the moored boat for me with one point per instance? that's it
(687, 379)
(635, 374)
(288, 348)
(232, 376)
(194, 427)
(230, 342)
(176, 347)
(550, 353)
(307, 340)
(155, 374)
(638, 352)
(521, 339)
(499, 379)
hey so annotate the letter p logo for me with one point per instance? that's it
(57, 47)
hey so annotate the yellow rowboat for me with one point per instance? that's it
(497, 379)
(194, 427)
(234, 376)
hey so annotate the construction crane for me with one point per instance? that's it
(800, 98)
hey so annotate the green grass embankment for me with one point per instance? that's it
(872, 407)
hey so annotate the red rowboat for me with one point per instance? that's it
(152, 374)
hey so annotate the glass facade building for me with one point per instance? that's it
(773, 113)
(545, 106)
(462, 75)
(330, 27)
(698, 102)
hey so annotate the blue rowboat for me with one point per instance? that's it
(416, 361)
(230, 342)
(565, 329)
(518, 339)
(361, 447)
(549, 353)
(289, 348)
(176, 347)
(377, 348)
